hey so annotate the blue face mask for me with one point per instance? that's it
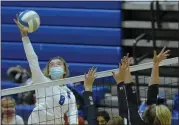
(56, 73)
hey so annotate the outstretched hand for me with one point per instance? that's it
(128, 77)
(21, 28)
(89, 79)
(161, 56)
(120, 75)
(127, 61)
(155, 79)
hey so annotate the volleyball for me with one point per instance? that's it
(30, 20)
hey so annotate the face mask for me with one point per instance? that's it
(56, 73)
(9, 112)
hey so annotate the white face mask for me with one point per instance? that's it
(56, 73)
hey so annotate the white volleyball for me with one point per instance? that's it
(30, 20)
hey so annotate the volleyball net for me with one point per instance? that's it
(104, 93)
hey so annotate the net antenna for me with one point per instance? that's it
(80, 78)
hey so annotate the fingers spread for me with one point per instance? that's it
(129, 61)
(162, 50)
(15, 21)
(155, 53)
(127, 54)
(166, 52)
(89, 71)
(167, 55)
(120, 63)
(85, 75)
(93, 72)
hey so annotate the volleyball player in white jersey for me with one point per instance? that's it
(51, 102)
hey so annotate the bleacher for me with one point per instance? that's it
(85, 34)
(149, 25)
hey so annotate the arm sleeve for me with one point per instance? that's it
(135, 118)
(90, 108)
(37, 75)
(152, 94)
(131, 93)
(122, 104)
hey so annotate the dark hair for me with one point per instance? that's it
(18, 74)
(104, 114)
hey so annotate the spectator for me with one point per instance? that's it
(116, 121)
(102, 117)
(8, 112)
(80, 120)
(20, 75)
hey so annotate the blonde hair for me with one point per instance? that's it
(46, 70)
(163, 115)
(116, 121)
(157, 115)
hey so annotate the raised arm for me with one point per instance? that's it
(127, 99)
(129, 82)
(37, 75)
(121, 90)
(155, 79)
(135, 118)
(128, 77)
(90, 107)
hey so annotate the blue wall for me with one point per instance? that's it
(85, 34)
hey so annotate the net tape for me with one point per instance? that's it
(80, 78)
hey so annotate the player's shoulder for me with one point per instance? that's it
(19, 120)
(18, 117)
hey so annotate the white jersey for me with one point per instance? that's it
(17, 120)
(52, 102)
